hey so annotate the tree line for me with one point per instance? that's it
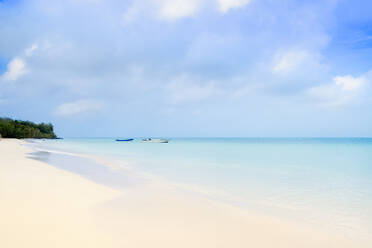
(25, 129)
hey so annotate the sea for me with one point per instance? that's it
(325, 182)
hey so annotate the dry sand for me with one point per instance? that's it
(42, 206)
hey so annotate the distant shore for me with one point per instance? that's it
(44, 206)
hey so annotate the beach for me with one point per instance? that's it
(45, 206)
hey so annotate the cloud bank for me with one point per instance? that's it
(78, 107)
(255, 62)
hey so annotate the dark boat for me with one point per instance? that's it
(124, 139)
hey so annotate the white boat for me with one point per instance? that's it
(149, 140)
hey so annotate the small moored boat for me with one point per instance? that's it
(124, 139)
(149, 140)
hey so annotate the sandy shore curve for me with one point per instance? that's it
(43, 206)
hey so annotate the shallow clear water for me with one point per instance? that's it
(326, 182)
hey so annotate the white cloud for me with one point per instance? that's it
(78, 107)
(349, 83)
(174, 9)
(16, 68)
(289, 61)
(342, 91)
(183, 90)
(86, 1)
(29, 51)
(225, 5)
(169, 10)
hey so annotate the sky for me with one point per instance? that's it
(189, 68)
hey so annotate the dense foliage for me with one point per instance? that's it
(25, 129)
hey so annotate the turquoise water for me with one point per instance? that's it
(326, 182)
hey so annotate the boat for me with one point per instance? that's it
(149, 140)
(124, 139)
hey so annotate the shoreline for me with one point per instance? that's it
(145, 215)
(42, 206)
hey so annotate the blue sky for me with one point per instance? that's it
(188, 67)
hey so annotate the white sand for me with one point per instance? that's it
(41, 206)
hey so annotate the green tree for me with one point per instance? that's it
(25, 129)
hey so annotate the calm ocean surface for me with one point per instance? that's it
(325, 181)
